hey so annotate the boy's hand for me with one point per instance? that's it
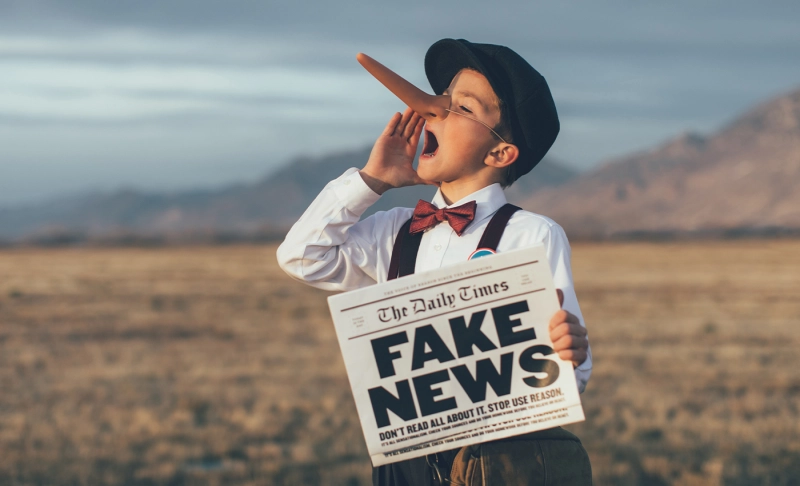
(391, 161)
(568, 336)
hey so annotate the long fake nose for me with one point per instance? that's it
(430, 107)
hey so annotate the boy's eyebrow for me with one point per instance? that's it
(468, 94)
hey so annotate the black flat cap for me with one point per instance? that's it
(523, 91)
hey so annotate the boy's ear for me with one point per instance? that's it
(503, 155)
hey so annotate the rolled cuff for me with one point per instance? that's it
(353, 192)
(583, 372)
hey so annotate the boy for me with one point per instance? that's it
(501, 121)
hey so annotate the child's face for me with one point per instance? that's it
(456, 147)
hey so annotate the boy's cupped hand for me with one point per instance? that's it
(391, 161)
(568, 336)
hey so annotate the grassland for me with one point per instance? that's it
(208, 366)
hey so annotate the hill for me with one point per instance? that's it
(269, 204)
(741, 179)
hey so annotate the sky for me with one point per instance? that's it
(170, 95)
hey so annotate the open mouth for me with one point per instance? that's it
(431, 145)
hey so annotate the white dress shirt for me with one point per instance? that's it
(331, 249)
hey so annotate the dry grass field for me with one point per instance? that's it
(207, 366)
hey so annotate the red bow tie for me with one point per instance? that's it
(426, 215)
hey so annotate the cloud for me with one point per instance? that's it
(84, 90)
(196, 92)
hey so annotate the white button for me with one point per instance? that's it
(437, 247)
(346, 182)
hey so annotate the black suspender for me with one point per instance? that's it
(494, 230)
(406, 245)
(404, 252)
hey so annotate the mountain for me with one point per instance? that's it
(743, 178)
(271, 203)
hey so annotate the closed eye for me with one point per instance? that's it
(465, 109)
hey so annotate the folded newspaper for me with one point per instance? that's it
(455, 356)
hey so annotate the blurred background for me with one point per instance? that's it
(153, 154)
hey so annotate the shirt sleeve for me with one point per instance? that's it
(329, 248)
(559, 253)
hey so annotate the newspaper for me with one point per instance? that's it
(455, 356)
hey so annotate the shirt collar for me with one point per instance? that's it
(489, 199)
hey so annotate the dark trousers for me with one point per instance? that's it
(547, 457)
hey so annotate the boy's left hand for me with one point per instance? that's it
(568, 336)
